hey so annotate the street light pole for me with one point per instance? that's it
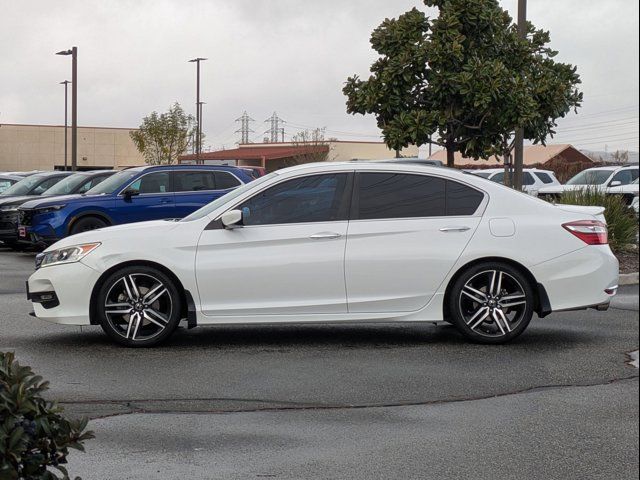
(518, 153)
(198, 108)
(74, 104)
(66, 136)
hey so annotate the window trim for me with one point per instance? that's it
(355, 200)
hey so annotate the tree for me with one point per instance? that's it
(310, 147)
(161, 138)
(620, 156)
(464, 80)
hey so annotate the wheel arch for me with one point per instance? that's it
(88, 213)
(187, 307)
(542, 306)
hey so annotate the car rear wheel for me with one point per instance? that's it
(491, 303)
(86, 224)
(139, 306)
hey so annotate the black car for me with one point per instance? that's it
(41, 184)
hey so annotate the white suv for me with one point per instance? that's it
(610, 179)
(532, 178)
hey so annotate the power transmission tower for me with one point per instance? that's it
(244, 130)
(275, 127)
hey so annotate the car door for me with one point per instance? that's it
(149, 197)
(286, 259)
(405, 234)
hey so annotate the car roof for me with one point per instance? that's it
(187, 166)
(612, 168)
(53, 173)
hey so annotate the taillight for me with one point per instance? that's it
(591, 232)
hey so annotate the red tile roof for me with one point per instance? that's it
(258, 153)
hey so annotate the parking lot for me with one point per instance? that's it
(343, 401)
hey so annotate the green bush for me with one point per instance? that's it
(34, 436)
(621, 219)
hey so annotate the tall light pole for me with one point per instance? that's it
(74, 104)
(66, 136)
(518, 152)
(198, 107)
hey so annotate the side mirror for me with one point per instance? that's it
(231, 219)
(128, 193)
(615, 183)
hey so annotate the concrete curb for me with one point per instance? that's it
(628, 279)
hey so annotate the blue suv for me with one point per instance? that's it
(131, 195)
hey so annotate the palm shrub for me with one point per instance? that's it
(621, 219)
(34, 435)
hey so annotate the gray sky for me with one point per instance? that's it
(289, 56)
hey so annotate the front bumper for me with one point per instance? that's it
(71, 285)
(586, 278)
(8, 226)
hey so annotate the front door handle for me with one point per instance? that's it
(455, 229)
(165, 200)
(325, 235)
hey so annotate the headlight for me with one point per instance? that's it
(9, 208)
(52, 208)
(71, 254)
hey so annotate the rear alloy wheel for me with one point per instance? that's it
(88, 223)
(139, 306)
(491, 303)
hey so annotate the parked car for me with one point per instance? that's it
(533, 179)
(132, 195)
(30, 186)
(600, 178)
(336, 242)
(79, 182)
(7, 180)
(629, 192)
(255, 172)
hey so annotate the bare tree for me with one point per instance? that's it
(310, 146)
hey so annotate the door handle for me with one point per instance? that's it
(165, 200)
(455, 229)
(324, 235)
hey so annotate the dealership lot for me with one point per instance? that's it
(314, 401)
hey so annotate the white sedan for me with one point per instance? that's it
(336, 242)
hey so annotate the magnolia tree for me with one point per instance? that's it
(464, 80)
(162, 137)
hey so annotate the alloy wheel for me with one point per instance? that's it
(138, 306)
(493, 303)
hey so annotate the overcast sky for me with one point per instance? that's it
(289, 56)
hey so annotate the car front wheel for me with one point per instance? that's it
(491, 303)
(139, 306)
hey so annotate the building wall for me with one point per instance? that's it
(41, 147)
(345, 151)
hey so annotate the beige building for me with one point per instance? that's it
(273, 156)
(41, 147)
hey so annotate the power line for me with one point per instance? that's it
(244, 130)
(275, 129)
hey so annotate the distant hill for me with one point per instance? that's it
(607, 156)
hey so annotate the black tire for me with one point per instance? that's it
(496, 316)
(152, 328)
(86, 224)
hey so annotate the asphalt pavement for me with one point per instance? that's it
(343, 401)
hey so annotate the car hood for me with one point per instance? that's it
(14, 200)
(123, 233)
(567, 188)
(4, 199)
(41, 202)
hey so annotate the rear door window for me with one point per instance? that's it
(224, 181)
(194, 181)
(544, 177)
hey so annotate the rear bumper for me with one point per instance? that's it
(586, 278)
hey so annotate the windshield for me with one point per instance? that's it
(590, 177)
(24, 186)
(114, 182)
(67, 185)
(217, 203)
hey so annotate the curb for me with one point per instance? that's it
(628, 279)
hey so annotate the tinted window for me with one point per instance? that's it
(498, 177)
(634, 174)
(527, 179)
(317, 198)
(623, 176)
(157, 182)
(225, 180)
(544, 177)
(461, 199)
(193, 181)
(397, 195)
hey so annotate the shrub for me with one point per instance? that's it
(34, 436)
(621, 219)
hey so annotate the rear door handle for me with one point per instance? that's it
(324, 235)
(455, 229)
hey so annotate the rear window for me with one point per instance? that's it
(544, 177)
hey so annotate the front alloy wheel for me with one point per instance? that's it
(492, 303)
(139, 306)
